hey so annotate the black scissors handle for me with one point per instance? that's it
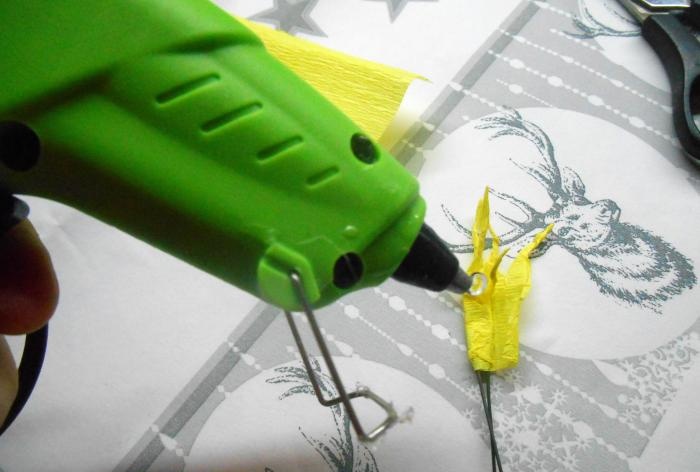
(679, 51)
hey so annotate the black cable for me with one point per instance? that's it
(28, 372)
(12, 211)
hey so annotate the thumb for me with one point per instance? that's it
(28, 286)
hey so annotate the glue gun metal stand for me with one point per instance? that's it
(169, 120)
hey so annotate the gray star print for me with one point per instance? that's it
(396, 6)
(292, 16)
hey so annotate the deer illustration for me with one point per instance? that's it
(624, 260)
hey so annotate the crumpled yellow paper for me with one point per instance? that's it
(491, 320)
(368, 92)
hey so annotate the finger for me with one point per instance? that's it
(28, 286)
(8, 379)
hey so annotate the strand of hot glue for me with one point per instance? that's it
(491, 319)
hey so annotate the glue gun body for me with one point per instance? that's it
(170, 121)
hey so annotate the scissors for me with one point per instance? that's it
(667, 26)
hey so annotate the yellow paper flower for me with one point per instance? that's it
(491, 320)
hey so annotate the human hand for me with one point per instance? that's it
(28, 297)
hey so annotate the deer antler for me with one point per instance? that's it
(459, 248)
(534, 222)
(511, 123)
(563, 190)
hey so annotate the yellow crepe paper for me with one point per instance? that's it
(491, 319)
(368, 92)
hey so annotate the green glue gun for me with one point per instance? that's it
(170, 120)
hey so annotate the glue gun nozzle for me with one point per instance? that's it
(461, 283)
(431, 265)
(474, 284)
